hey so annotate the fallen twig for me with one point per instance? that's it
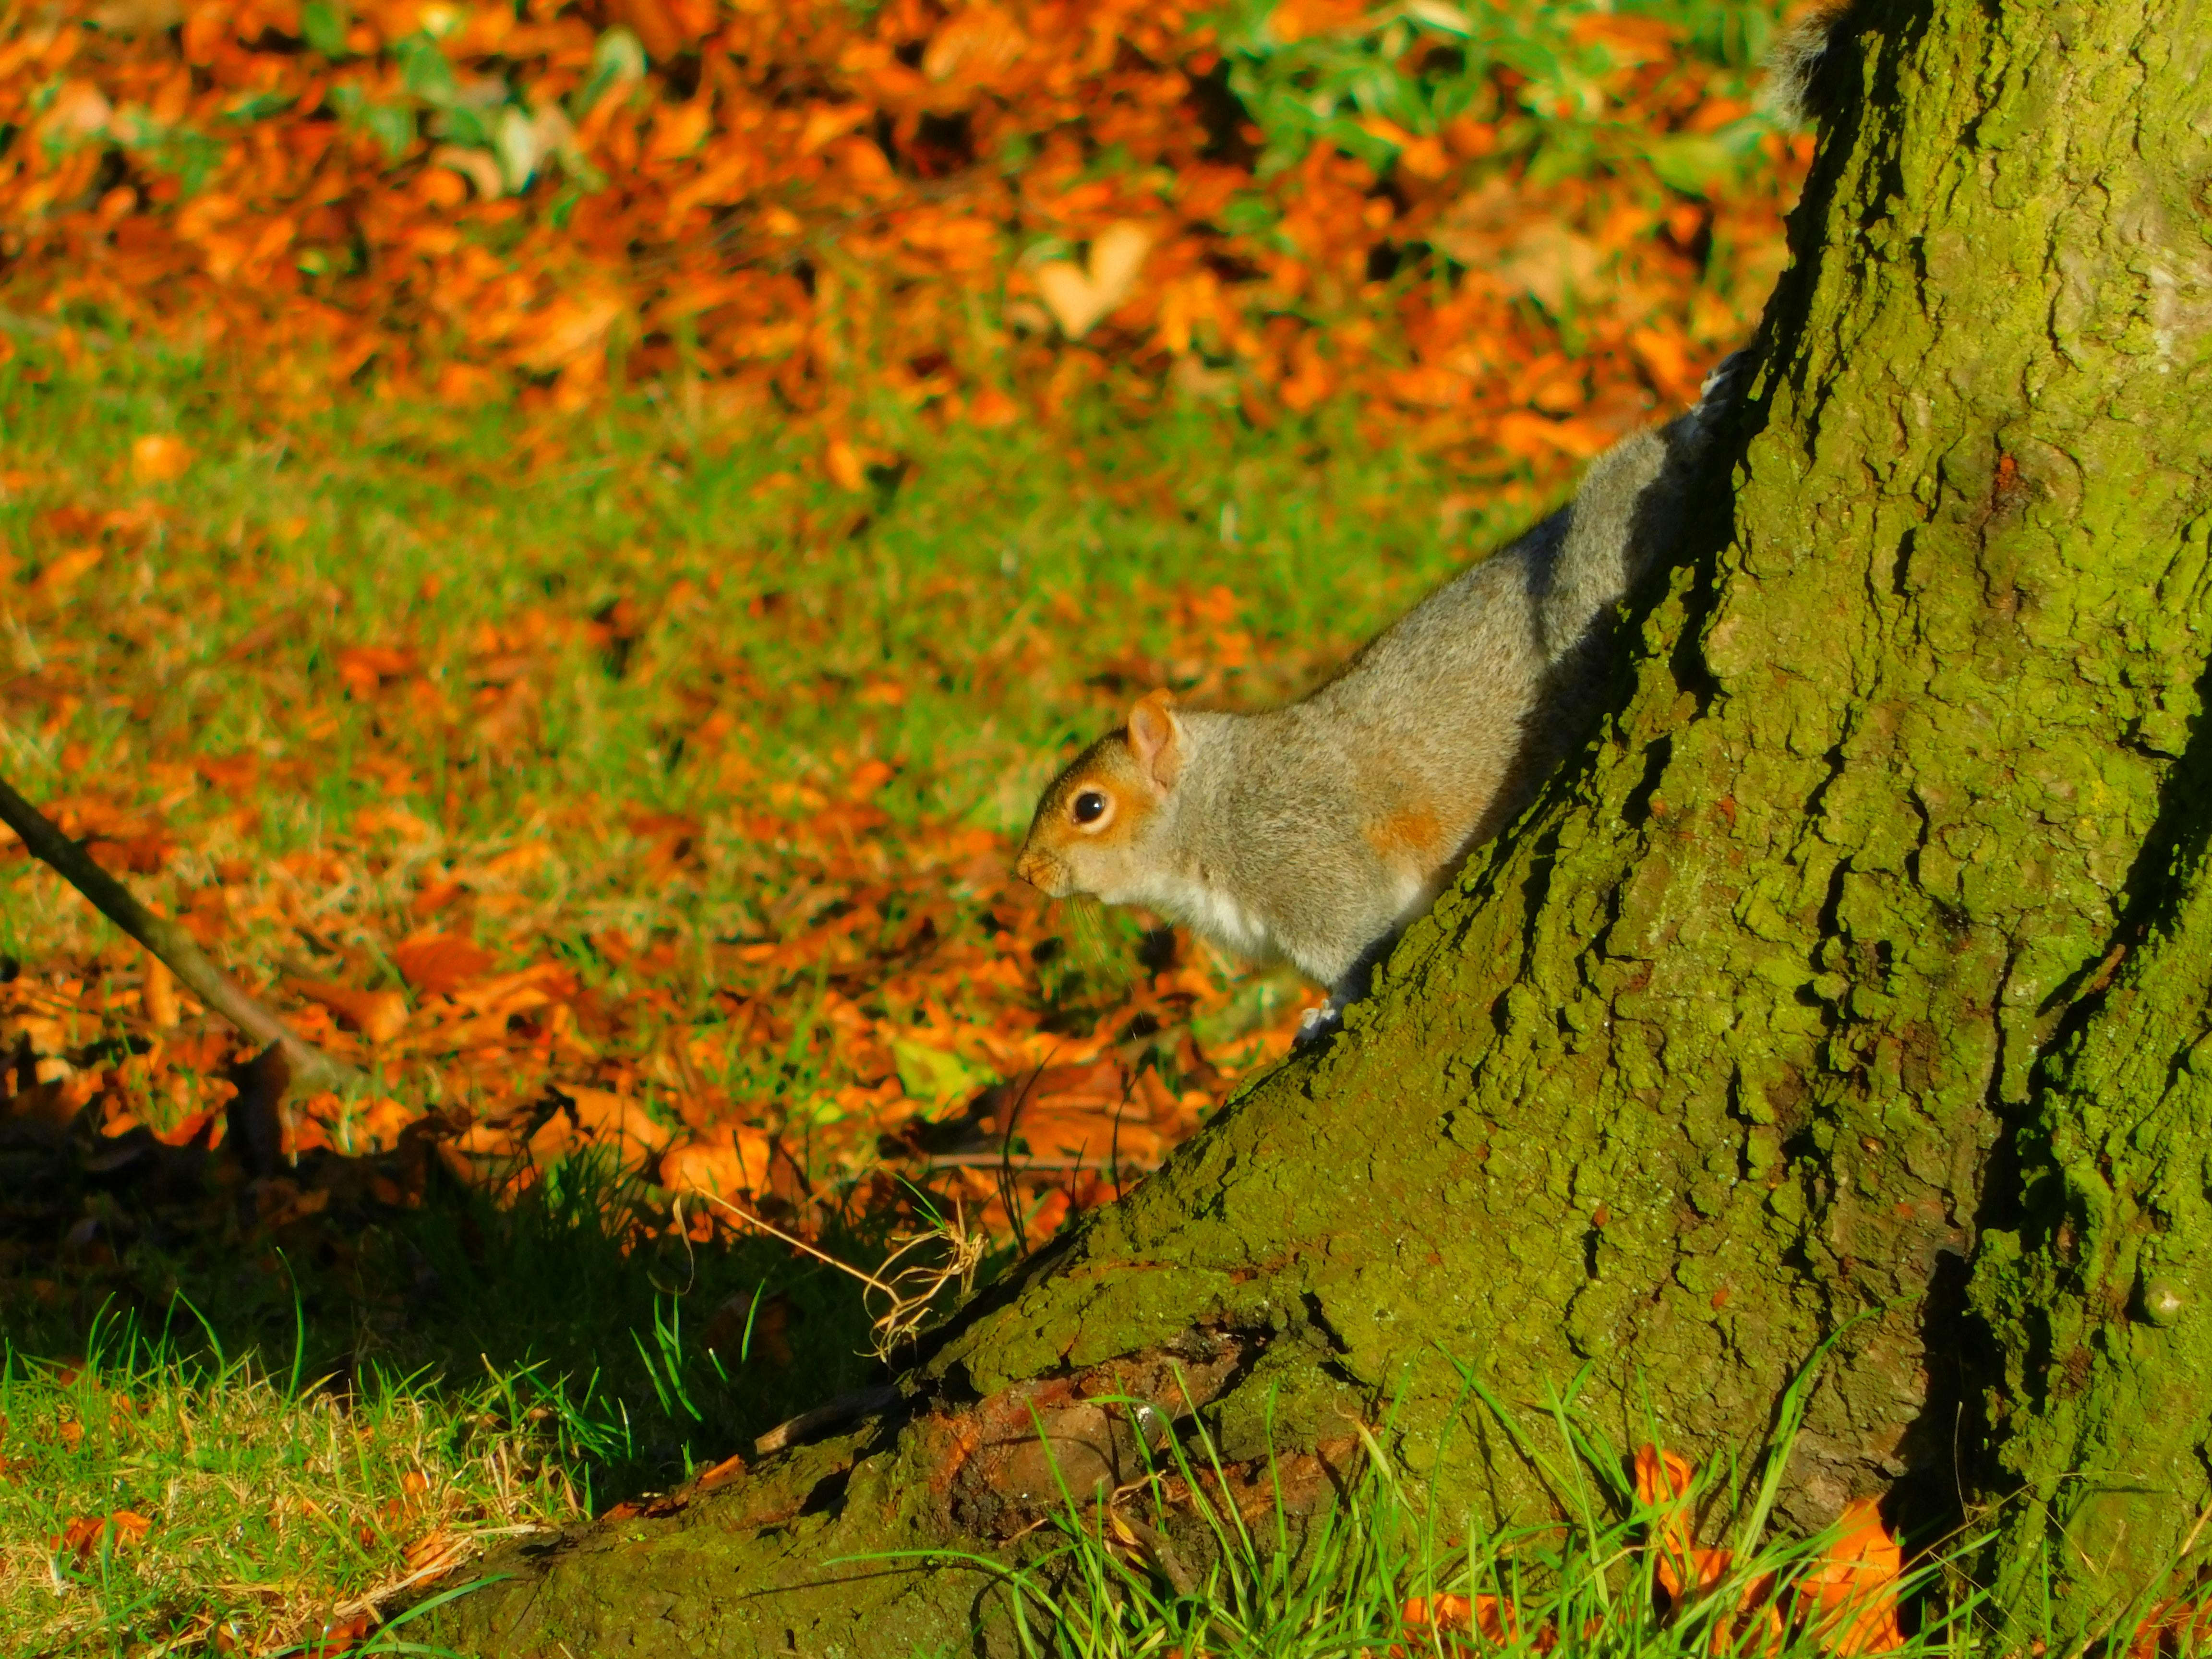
(170, 945)
(834, 1414)
(910, 1292)
(453, 1550)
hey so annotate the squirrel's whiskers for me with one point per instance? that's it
(1092, 943)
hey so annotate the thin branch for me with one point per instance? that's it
(170, 943)
(792, 1239)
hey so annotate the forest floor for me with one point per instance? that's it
(637, 806)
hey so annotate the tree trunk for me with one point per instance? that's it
(1859, 967)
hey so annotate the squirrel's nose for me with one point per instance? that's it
(1035, 868)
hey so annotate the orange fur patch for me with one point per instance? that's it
(1411, 837)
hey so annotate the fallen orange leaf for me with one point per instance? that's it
(61, 573)
(2173, 1628)
(1849, 1602)
(991, 408)
(379, 1016)
(620, 1120)
(1663, 1480)
(842, 463)
(726, 1472)
(158, 458)
(337, 1638)
(1079, 295)
(1492, 1617)
(128, 1524)
(157, 995)
(363, 668)
(437, 964)
(83, 1536)
(435, 1552)
(726, 1162)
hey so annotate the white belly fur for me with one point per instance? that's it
(1212, 913)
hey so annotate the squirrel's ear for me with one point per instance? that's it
(1156, 738)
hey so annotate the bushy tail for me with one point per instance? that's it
(1806, 70)
(1629, 512)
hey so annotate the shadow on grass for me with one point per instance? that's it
(646, 1353)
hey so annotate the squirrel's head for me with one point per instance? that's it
(1089, 834)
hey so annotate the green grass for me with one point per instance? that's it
(254, 1485)
(1166, 1564)
(259, 1404)
(1419, 67)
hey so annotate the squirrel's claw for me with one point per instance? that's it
(1318, 1022)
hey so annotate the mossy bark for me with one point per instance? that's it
(1859, 967)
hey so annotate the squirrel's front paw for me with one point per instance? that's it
(1324, 1021)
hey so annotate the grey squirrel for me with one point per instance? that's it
(1318, 830)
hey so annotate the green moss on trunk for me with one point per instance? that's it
(1709, 1054)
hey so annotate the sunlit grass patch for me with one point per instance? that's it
(154, 1503)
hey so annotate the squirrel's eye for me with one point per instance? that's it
(1089, 806)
